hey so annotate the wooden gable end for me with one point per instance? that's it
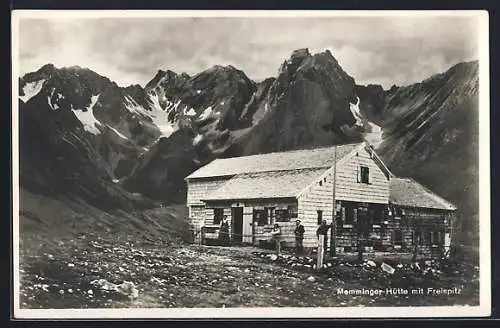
(360, 178)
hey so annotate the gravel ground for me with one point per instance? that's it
(89, 271)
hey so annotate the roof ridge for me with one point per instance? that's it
(311, 158)
(295, 150)
(286, 170)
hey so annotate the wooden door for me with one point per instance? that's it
(237, 224)
(247, 227)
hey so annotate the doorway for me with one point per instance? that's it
(237, 224)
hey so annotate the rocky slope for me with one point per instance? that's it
(431, 134)
(63, 149)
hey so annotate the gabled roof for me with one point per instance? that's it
(279, 161)
(276, 184)
(408, 192)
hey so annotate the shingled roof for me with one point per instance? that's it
(276, 184)
(279, 161)
(408, 192)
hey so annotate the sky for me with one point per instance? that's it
(384, 50)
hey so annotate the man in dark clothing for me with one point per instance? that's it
(322, 232)
(299, 237)
(224, 232)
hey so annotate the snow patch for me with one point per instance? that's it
(206, 113)
(191, 112)
(160, 117)
(374, 137)
(116, 180)
(166, 129)
(171, 106)
(266, 107)
(247, 106)
(156, 114)
(87, 117)
(132, 106)
(155, 102)
(375, 128)
(49, 100)
(31, 89)
(198, 92)
(118, 133)
(355, 112)
(197, 139)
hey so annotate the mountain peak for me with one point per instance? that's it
(327, 55)
(48, 66)
(300, 53)
(45, 70)
(161, 76)
(222, 68)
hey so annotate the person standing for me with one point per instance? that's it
(275, 233)
(299, 237)
(322, 232)
(224, 232)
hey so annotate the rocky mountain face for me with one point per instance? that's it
(307, 105)
(431, 134)
(82, 134)
(64, 148)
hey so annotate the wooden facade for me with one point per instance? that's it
(250, 221)
(353, 195)
(197, 210)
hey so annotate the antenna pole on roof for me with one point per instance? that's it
(333, 229)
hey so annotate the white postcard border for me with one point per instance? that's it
(484, 309)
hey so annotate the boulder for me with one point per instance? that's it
(387, 268)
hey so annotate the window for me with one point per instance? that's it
(378, 215)
(398, 237)
(350, 214)
(218, 215)
(270, 214)
(341, 218)
(437, 238)
(365, 174)
(320, 217)
(260, 216)
(427, 236)
(293, 211)
(418, 238)
(282, 215)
